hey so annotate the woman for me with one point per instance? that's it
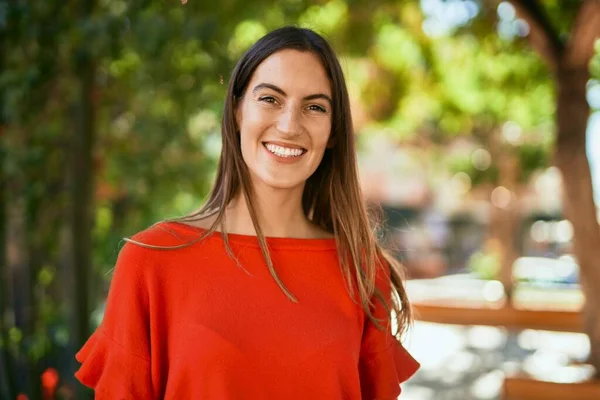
(276, 287)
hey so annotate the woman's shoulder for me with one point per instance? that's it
(156, 245)
(154, 240)
(162, 234)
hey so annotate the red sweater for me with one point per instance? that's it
(191, 324)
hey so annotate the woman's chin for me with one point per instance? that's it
(280, 183)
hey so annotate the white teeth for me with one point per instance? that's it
(283, 151)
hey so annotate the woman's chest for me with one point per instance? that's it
(248, 312)
(225, 324)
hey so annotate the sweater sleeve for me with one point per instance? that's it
(384, 362)
(115, 360)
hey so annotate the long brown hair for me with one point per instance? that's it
(332, 197)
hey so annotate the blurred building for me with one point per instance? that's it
(436, 221)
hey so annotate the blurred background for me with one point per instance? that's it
(472, 125)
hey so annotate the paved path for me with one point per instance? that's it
(468, 363)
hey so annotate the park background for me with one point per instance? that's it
(472, 125)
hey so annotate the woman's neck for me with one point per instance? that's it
(278, 214)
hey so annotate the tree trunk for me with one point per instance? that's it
(6, 379)
(17, 274)
(82, 189)
(579, 208)
(19, 299)
(504, 215)
(80, 222)
(508, 224)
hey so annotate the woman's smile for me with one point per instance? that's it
(284, 153)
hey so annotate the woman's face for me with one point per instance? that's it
(284, 118)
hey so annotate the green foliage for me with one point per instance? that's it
(561, 14)
(464, 162)
(485, 264)
(595, 62)
(246, 33)
(532, 157)
(407, 54)
(327, 18)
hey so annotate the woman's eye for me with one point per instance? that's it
(316, 107)
(267, 99)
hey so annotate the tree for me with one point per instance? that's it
(568, 57)
(563, 35)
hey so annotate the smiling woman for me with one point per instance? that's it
(276, 288)
(285, 120)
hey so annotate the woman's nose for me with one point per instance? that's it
(289, 122)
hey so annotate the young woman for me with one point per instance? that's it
(276, 288)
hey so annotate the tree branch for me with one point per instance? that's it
(585, 30)
(542, 35)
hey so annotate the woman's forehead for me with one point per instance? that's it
(295, 71)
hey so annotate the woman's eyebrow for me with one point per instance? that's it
(281, 92)
(268, 86)
(320, 96)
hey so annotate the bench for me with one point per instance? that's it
(525, 388)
